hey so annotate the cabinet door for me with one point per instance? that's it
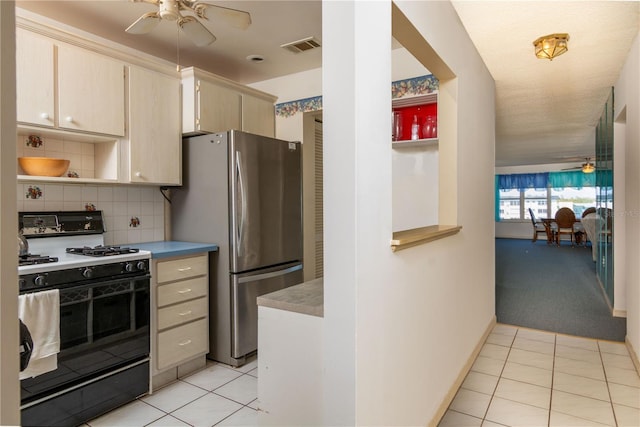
(155, 128)
(258, 116)
(219, 107)
(90, 92)
(34, 79)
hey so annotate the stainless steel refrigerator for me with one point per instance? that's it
(242, 192)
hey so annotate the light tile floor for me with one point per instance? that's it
(218, 395)
(525, 377)
(522, 377)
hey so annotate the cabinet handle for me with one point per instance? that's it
(183, 343)
(138, 174)
(182, 270)
(185, 313)
(44, 116)
(69, 119)
(185, 291)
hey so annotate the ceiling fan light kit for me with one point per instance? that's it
(550, 46)
(171, 10)
(588, 167)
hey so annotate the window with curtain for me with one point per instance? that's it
(543, 193)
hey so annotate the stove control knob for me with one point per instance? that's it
(141, 265)
(87, 272)
(40, 280)
(130, 267)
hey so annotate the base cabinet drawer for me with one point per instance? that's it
(182, 291)
(179, 344)
(182, 268)
(182, 313)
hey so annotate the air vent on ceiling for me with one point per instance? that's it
(302, 45)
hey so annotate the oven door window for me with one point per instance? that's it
(103, 313)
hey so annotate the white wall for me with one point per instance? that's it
(627, 98)
(9, 385)
(399, 327)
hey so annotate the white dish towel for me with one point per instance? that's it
(40, 311)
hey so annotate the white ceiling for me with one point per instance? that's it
(273, 23)
(546, 111)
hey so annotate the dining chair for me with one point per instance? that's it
(565, 222)
(538, 227)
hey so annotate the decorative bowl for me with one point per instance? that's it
(43, 166)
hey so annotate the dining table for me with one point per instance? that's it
(549, 226)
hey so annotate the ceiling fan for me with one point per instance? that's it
(587, 167)
(171, 10)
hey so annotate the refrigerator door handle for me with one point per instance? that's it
(270, 274)
(243, 207)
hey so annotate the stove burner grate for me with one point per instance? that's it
(99, 251)
(31, 259)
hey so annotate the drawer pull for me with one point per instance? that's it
(185, 313)
(183, 343)
(182, 270)
(185, 291)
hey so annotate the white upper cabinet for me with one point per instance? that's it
(90, 92)
(34, 79)
(218, 107)
(155, 144)
(67, 87)
(258, 116)
(211, 103)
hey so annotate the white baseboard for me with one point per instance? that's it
(633, 354)
(619, 313)
(444, 405)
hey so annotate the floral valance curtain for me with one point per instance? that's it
(522, 181)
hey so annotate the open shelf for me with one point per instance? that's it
(417, 236)
(65, 180)
(415, 143)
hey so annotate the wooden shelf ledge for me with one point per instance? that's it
(417, 236)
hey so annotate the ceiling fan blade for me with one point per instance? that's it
(236, 18)
(144, 24)
(195, 31)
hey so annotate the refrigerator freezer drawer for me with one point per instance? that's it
(246, 288)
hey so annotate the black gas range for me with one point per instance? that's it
(104, 294)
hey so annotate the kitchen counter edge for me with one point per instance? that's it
(168, 249)
(305, 298)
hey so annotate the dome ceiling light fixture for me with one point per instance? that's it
(550, 46)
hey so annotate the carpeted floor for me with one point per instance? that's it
(552, 288)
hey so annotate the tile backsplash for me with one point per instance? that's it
(133, 214)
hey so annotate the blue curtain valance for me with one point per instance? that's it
(521, 181)
(573, 179)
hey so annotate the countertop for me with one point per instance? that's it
(305, 298)
(166, 249)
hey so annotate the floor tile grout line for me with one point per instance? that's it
(553, 377)
(613, 411)
(486, 411)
